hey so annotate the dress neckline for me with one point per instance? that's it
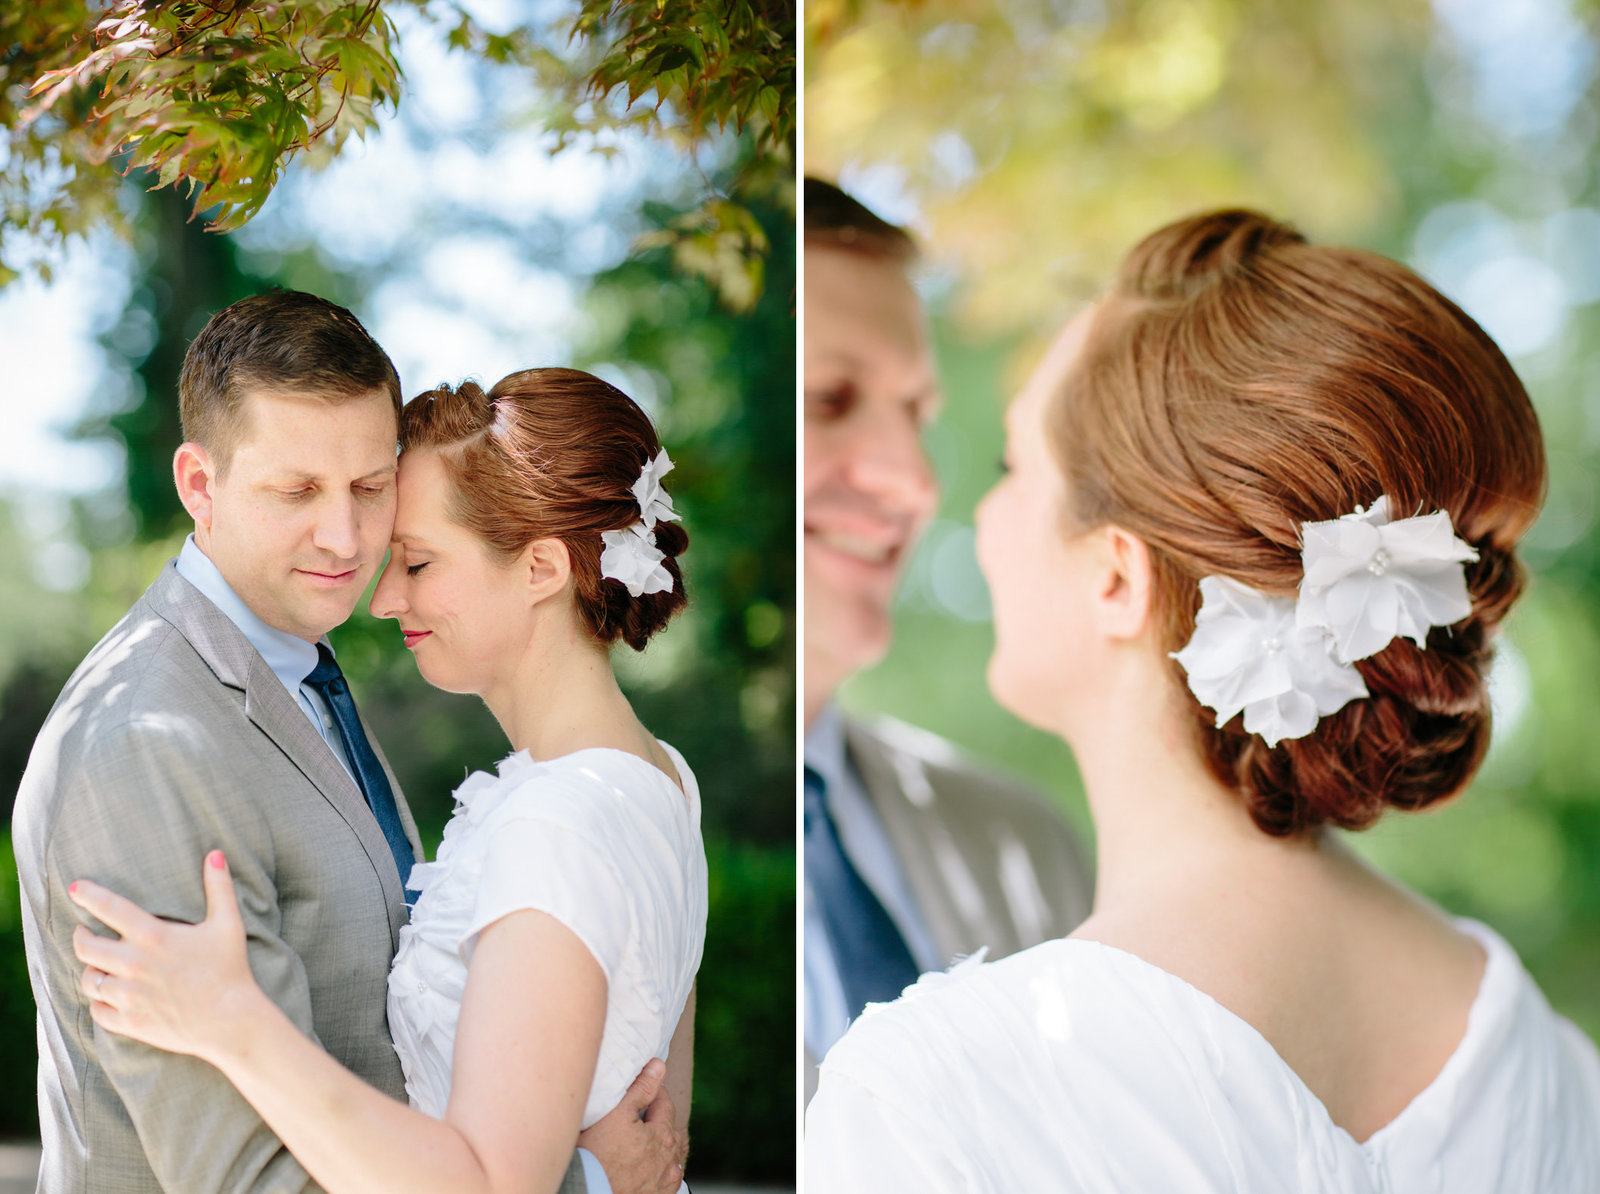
(1494, 993)
(688, 795)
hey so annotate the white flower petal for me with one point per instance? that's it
(1369, 580)
(632, 557)
(1290, 715)
(1248, 655)
(654, 503)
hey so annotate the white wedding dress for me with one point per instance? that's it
(1077, 1067)
(599, 839)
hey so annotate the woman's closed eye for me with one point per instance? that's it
(413, 569)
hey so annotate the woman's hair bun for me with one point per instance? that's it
(1239, 382)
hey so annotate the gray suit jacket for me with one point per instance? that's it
(174, 738)
(987, 861)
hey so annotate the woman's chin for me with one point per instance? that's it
(443, 679)
(1022, 696)
(1003, 686)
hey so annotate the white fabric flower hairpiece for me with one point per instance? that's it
(631, 555)
(1288, 662)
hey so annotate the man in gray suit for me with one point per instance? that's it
(213, 715)
(913, 856)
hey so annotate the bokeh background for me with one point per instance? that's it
(469, 250)
(1031, 142)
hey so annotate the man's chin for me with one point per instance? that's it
(845, 637)
(318, 618)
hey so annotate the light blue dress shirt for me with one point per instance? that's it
(292, 660)
(827, 1014)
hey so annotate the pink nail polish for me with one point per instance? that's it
(72, 889)
(215, 859)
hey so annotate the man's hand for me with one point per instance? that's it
(638, 1143)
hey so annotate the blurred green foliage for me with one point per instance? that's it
(1042, 137)
(1364, 123)
(219, 99)
(719, 684)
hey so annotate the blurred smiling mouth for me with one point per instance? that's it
(857, 547)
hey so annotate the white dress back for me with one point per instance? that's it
(599, 839)
(1077, 1067)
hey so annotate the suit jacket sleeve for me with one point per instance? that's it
(141, 810)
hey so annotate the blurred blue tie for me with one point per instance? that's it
(873, 961)
(328, 680)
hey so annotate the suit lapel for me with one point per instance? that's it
(271, 709)
(268, 705)
(946, 892)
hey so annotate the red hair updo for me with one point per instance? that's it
(552, 454)
(1238, 382)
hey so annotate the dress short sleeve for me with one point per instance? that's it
(858, 1142)
(548, 866)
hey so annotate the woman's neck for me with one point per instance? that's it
(560, 696)
(1166, 830)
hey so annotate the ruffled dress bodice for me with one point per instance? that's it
(602, 841)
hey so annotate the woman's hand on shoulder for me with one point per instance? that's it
(180, 987)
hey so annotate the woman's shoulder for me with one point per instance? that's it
(1061, 1055)
(594, 786)
(1059, 1003)
(1520, 1047)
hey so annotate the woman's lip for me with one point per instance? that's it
(413, 637)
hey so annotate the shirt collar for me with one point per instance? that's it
(291, 659)
(824, 747)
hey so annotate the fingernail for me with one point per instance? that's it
(215, 859)
(72, 889)
(657, 1067)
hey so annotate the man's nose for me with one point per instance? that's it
(887, 459)
(338, 527)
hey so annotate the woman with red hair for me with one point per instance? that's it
(1253, 540)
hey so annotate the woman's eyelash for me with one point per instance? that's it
(413, 569)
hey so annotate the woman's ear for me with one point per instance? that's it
(547, 564)
(1122, 603)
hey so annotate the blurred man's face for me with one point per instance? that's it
(869, 392)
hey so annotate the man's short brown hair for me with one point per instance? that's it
(279, 341)
(836, 221)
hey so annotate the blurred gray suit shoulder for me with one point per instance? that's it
(988, 861)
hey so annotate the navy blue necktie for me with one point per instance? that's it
(874, 963)
(328, 680)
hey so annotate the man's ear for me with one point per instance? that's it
(194, 472)
(1126, 584)
(547, 564)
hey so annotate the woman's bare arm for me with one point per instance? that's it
(680, 1062)
(526, 1046)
